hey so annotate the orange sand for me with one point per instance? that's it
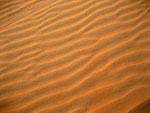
(74, 56)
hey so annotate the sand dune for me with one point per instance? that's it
(74, 56)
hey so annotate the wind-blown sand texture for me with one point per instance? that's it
(74, 56)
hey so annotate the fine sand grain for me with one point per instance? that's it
(74, 56)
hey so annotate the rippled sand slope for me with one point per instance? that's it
(74, 56)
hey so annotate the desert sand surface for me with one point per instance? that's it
(74, 56)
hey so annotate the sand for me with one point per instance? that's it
(74, 56)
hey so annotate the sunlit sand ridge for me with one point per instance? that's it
(74, 56)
